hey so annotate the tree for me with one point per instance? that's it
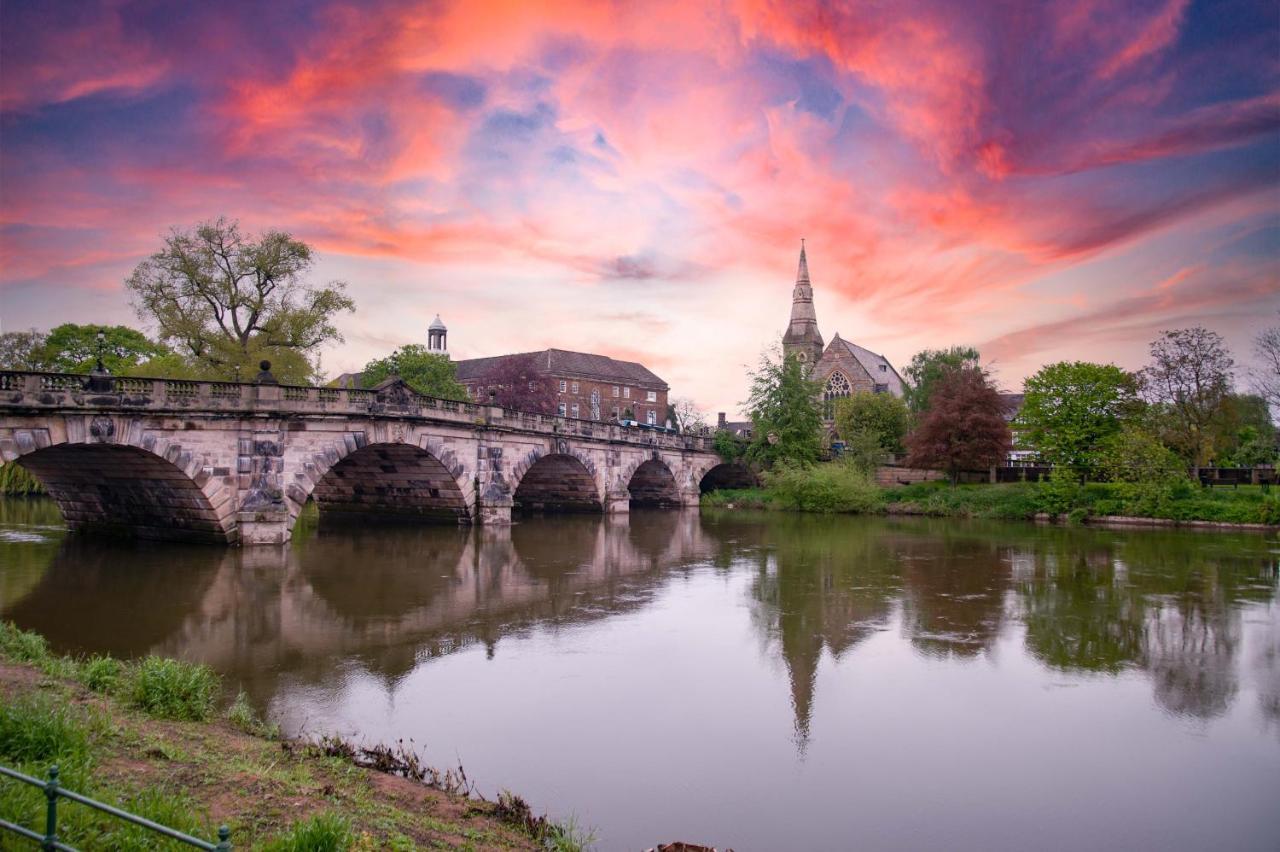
(1071, 408)
(227, 300)
(72, 348)
(928, 367)
(23, 350)
(963, 428)
(1246, 436)
(786, 420)
(881, 415)
(685, 415)
(514, 382)
(1266, 377)
(1189, 377)
(425, 371)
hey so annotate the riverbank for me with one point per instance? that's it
(151, 738)
(1103, 503)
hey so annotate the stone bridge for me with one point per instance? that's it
(236, 462)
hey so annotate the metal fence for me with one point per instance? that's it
(54, 791)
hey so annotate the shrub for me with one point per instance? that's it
(172, 689)
(834, 487)
(324, 832)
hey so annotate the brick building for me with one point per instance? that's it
(841, 368)
(586, 386)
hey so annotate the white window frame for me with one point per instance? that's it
(564, 386)
(575, 386)
(561, 409)
(651, 396)
(574, 410)
(651, 417)
(617, 391)
(626, 393)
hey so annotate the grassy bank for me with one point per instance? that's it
(150, 737)
(836, 490)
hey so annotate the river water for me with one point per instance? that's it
(770, 682)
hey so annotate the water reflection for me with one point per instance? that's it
(385, 600)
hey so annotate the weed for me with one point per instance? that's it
(21, 645)
(101, 674)
(324, 832)
(241, 714)
(34, 729)
(172, 689)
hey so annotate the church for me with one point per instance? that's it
(841, 368)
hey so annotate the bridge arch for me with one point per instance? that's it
(556, 482)
(727, 475)
(120, 481)
(652, 483)
(390, 482)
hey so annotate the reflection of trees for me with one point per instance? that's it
(1100, 601)
(31, 530)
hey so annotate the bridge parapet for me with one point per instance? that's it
(63, 392)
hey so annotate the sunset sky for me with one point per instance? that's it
(1045, 181)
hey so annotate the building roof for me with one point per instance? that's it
(1012, 404)
(561, 361)
(436, 325)
(871, 362)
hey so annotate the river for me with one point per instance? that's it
(756, 681)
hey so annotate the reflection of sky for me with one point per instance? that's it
(1045, 180)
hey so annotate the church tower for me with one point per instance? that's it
(437, 338)
(803, 338)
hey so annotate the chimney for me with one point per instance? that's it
(720, 420)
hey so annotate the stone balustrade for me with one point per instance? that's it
(38, 391)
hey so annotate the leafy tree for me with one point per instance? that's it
(1246, 436)
(783, 405)
(1071, 408)
(73, 348)
(1266, 377)
(423, 370)
(881, 415)
(926, 370)
(515, 383)
(1148, 475)
(728, 446)
(228, 300)
(862, 450)
(1189, 378)
(964, 427)
(23, 350)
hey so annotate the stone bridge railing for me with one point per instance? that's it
(34, 391)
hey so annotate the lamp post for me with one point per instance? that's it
(100, 380)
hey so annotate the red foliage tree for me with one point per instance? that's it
(515, 383)
(964, 428)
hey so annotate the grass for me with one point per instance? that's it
(127, 734)
(16, 481)
(827, 488)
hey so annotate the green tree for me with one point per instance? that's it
(227, 300)
(1071, 408)
(926, 370)
(72, 348)
(23, 350)
(1247, 436)
(881, 415)
(1189, 379)
(424, 371)
(728, 446)
(785, 417)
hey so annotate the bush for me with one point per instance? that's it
(33, 729)
(172, 689)
(833, 487)
(324, 832)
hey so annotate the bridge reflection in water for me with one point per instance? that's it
(389, 599)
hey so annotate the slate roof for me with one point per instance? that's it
(1012, 404)
(563, 362)
(871, 362)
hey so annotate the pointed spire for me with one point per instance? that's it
(802, 274)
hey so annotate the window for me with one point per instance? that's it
(615, 412)
(884, 368)
(573, 410)
(563, 386)
(533, 386)
(651, 396)
(651, 418)
(575, 387)
(560, 409)
(616, 390)
(837, 388)
(626, 393)
(595, 403)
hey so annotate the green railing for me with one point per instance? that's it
(54, 791)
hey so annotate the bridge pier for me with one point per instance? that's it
(269, 526)
(617, 502)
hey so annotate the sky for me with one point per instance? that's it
(1045, 181)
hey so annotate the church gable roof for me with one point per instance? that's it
(871, 362)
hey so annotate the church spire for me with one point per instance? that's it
(802, 338)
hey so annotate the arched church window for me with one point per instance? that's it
(837, 387)
(802, 357)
